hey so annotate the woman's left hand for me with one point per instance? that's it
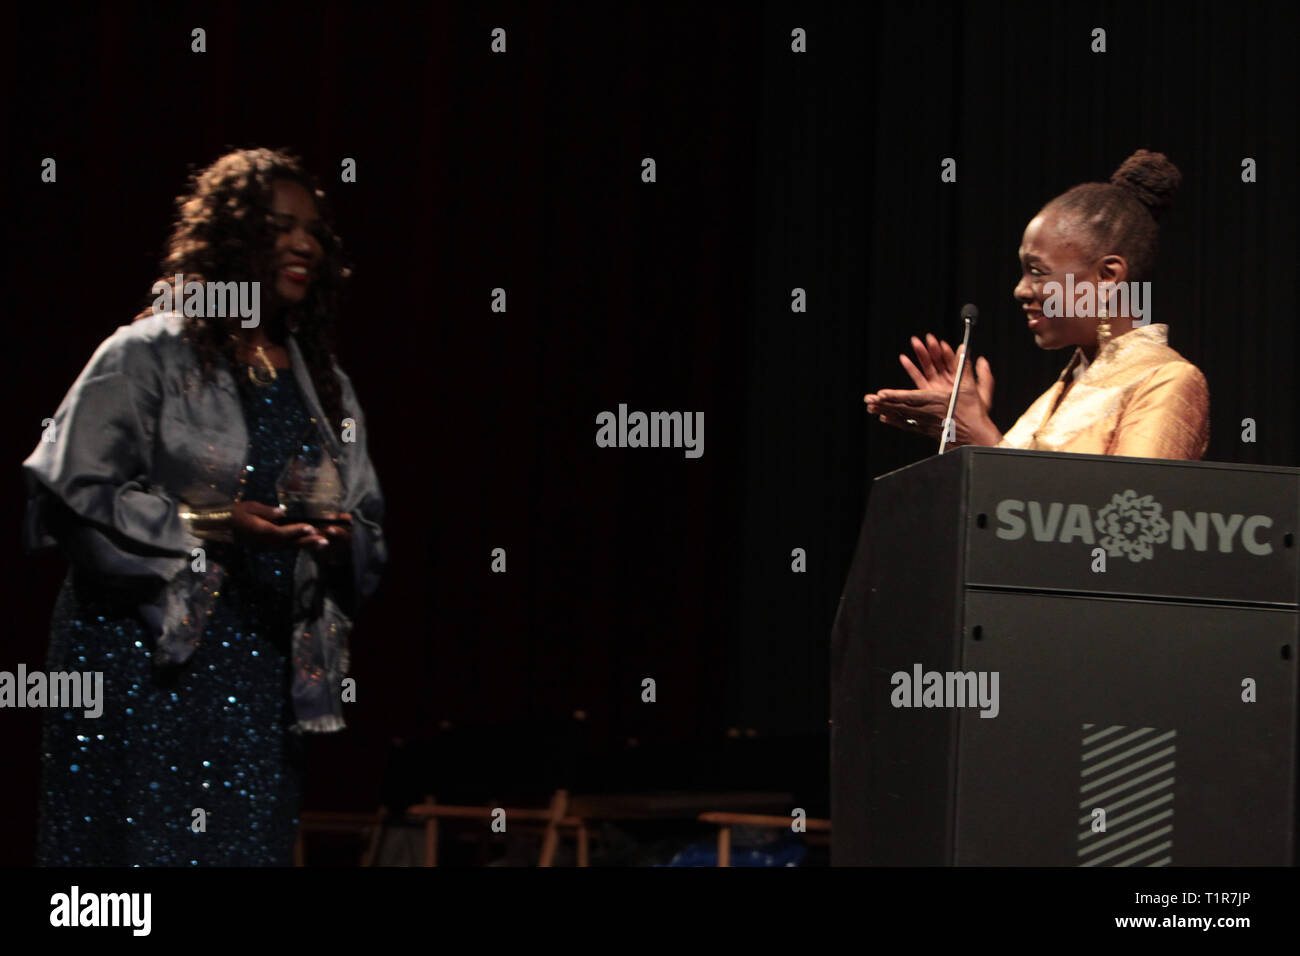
(333, 542)
(915, 410)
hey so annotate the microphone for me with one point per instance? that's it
(968, 314)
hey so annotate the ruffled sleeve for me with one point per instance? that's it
(88, 481)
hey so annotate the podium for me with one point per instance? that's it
(1045, 659)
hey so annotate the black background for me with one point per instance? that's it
(775, 170)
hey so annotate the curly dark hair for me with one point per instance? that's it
(1122, 216)
(223, 233)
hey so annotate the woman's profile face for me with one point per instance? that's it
(296, 251)
(1049, 251)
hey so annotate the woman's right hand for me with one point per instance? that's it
(922, 409)
(259, 526)
(938, 369)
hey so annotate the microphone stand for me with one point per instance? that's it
(948, 425)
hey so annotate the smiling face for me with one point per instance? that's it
(1049, 250)
(297, 250)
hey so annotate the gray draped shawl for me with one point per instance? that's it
(140, 433)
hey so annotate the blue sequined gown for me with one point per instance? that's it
(212, 734)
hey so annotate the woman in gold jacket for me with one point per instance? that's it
(1124, 391)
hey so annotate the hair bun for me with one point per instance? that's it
(1151, 177)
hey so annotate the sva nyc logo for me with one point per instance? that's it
(1131, 525)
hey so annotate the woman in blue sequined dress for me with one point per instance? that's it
(219, 624)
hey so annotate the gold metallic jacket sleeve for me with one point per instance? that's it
(1168, 416)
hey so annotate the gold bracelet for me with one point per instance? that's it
(211, 524)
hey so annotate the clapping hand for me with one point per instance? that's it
(922, 409)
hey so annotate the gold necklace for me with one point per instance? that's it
(257, 376)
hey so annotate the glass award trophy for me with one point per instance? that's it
(309, 488)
